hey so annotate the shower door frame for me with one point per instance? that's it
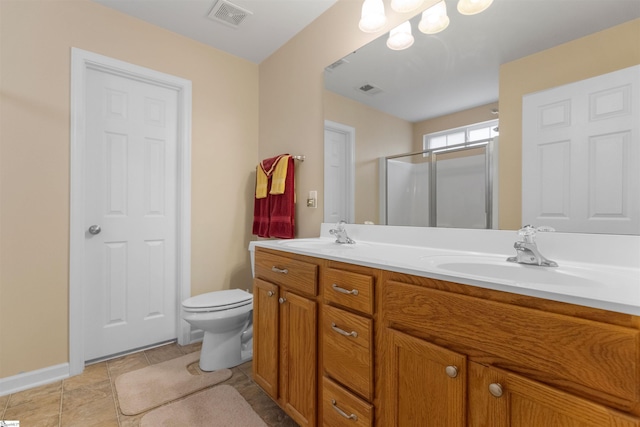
(432, 153)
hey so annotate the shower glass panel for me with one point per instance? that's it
(408, 190)
(440, 188)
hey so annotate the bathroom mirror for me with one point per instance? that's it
(454, 71)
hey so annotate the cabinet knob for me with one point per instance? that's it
(452, 371)
(282, 300)
(495, 389)
(270, 293)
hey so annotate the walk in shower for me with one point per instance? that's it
(450, 187)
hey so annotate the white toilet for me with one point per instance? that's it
(226, 317)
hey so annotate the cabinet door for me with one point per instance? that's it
(265, 336)
(502, 399)
(298, 357)
(427, 383)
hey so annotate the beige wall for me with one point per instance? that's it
(599, 53)
(377, 135)
(36, 38)
(292, 80)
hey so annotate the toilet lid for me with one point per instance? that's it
(219, 299)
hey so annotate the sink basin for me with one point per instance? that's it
(495, 268)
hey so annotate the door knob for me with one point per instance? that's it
(95, 229)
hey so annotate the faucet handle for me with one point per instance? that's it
(527, 230)
(530, 230)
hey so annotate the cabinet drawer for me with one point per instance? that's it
(589, 357)
(348, 289)
(342, 409)
(291, 273)
(347, 352)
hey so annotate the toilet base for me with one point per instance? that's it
(221, 351)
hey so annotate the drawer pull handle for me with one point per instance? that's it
(353, 417)
(279, 270)
(343, 290)
(270, 293)
(343, 332)
(452, 371)
(495, 389)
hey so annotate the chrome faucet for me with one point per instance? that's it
(527, 250)
(341, 233)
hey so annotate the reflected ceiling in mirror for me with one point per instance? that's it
(458, 68)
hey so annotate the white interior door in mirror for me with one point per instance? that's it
(339, 141)
(581, 155)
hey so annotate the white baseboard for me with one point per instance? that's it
(27, 380)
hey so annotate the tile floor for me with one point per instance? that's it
(89, 399)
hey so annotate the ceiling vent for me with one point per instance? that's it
(336, 64)
(228, 13)
(369, 89)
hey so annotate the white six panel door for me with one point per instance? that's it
(581, 155)
(130, 169)
(335, 176)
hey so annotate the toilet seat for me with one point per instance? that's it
(217, 301)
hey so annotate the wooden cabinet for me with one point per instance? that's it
(498, 398)
(426, 384)
(342, 409)
(285, 333)
(266, 321)
(347, 345)
(338, 345)
(518, 361)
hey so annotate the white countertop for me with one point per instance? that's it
(599, 271)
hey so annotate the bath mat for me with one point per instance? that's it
(149, 387)
(220, 406)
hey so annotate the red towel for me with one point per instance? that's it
(274, 215)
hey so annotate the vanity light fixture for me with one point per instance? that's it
(373, 18)
(434, 19)
(471, 7)
(405, 6)
(400, 37)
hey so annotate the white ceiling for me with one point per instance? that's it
(269, 26)
(443, 73)
(458, 68)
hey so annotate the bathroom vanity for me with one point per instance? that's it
(387, 334)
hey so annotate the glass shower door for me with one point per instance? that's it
(440, 188)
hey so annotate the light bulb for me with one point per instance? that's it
(373, 18)
(434, 19)
(471, 7)
(400, 37)
(404, 6)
